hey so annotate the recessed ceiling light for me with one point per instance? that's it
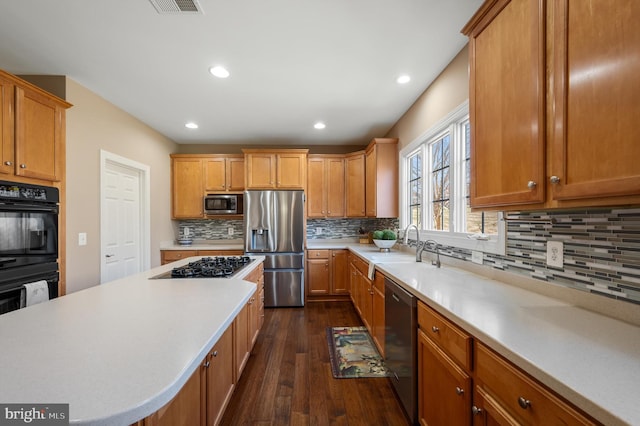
(191, 125)
(319, 125)
(403, 79)
(218, 71)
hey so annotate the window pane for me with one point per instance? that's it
(415, 167)
(416, 215)
(436, 155)
(415, 192)
(446, 160)
(446, 191)
(467, 176)
(437, 185)
(446, 214)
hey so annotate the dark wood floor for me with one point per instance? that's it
(288, 379)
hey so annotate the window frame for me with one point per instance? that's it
(450, 124)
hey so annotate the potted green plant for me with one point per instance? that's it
(384, 239)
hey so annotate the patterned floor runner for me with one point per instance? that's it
(353, 354)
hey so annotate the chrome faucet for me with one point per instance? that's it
(436, 248)
(406, 240)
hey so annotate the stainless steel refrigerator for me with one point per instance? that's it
(274, 228)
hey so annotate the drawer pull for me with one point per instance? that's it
(435, 329)
(459, 390)
(206, 364)
(524, 403)
(215, 353)
(475, 410)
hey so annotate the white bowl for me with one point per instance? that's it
(384, 244)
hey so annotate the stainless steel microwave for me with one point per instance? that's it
(223, 204)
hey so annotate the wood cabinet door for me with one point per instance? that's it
(235, 174)
(241, 339)
(444, 389)
(39, 132)
(254, 320)
(377, 314)
(318, 277)
(316, 187)
(339, 272)
(335, 187)
(187, 408)
(6, 127)
(260, 170)
(353, 285)
(366, 301)
(355, 193)
(220, 377)
(291, 171)
(507, 104)
(215, 174)
(187, 183)
(596, 92)
(370, 182)
(488, 412)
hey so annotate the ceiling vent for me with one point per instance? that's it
(177, 6)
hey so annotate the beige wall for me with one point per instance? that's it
(448, 90)
(94, 124)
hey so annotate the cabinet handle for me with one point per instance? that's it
(8, 163)
(554, 180)
(215, 354)
(531, 184)
(459, 390)
(23, 166)
(524, 403)
(435, 329)
(328, 211)
(207, 364)
(475, 410)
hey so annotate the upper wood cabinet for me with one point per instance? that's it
(595, 137)
(325, 186)
(553, 100)
(506, 103)
(194, 175)
(381, 178)
(355, 179)
(33, 131)
(275, 169)
(187, 183)
(224, 173)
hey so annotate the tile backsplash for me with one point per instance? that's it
(601, 246)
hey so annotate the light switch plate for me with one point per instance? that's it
(555, 254)
(230, 230)
(477, 256)
(82, 239)
(318, 231)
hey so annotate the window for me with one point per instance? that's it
(435, 197)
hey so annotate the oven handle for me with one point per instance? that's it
(28, 208)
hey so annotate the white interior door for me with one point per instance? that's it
(122, 219)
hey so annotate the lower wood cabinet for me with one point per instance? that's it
(506, 395)
(461, 382)
(187, 408)
(204, 397)
(327, 274)
(220, 380)
(367, 297)
(444, 364)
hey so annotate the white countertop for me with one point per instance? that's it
(590, 359)
(119, 351)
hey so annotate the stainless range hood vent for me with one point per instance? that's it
(177, 6)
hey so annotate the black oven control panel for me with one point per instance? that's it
(23, 191)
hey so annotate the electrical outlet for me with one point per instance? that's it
(230, 230)
(186, 231)
(555, 255)
(318, 231)
(82, 239)
(477, 256)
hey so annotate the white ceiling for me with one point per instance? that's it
(292, 62)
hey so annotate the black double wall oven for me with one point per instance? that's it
(28, 240)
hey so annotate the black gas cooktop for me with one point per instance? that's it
(209, 267)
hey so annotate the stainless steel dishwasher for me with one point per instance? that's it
(400, 345)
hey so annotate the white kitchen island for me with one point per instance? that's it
(119, 351)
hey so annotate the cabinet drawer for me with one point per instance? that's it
(317, 254)
(449, 337)
(361, 265)
(173, 255)
(520, 395)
